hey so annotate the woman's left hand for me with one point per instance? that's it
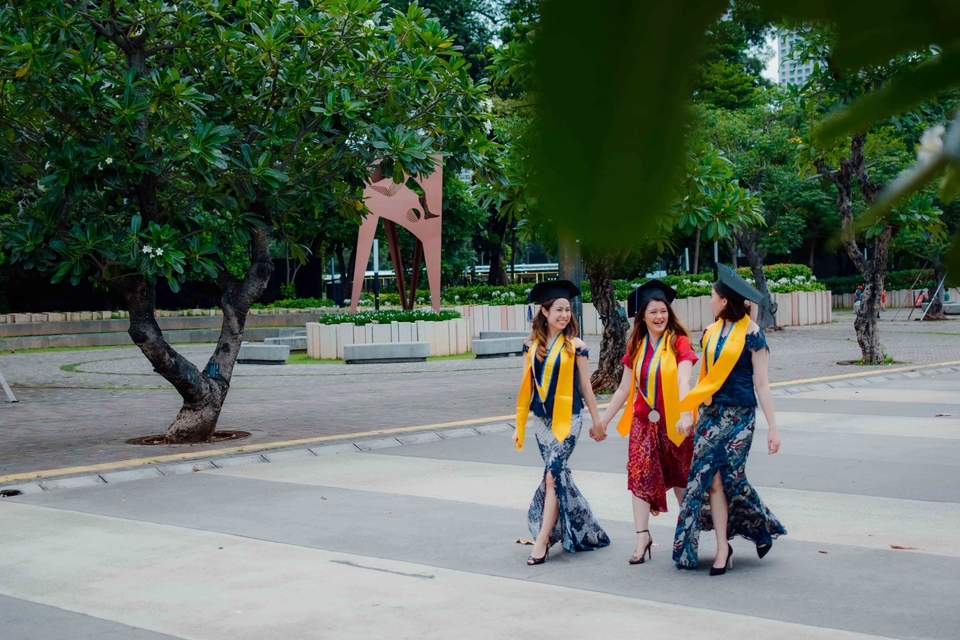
(773, 442)
(685, 425)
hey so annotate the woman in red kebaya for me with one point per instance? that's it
(659, 362)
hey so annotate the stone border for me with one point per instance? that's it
(270, 455)
(282, 454)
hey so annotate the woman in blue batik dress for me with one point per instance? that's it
(732, 378)
(556, 384)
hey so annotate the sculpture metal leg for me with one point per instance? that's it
(6, 389)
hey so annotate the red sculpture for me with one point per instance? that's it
(420, 215)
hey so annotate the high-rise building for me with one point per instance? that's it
(790, 71)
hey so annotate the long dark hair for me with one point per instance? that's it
(674, 326)
(736, 308)
(541, 331)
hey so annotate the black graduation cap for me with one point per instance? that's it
(730, 285)
(650, 290)
(553, 289)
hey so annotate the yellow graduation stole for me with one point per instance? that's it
(558, 359)
(663, 366)
(715, 369)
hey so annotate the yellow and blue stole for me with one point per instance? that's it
(558, 362)
(662, 371)
(716, 365)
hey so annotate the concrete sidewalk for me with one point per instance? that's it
(79, 407)
(419, 540)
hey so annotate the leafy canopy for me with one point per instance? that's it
(155, 139)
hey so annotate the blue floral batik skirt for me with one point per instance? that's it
(723, 438)
(577, 529)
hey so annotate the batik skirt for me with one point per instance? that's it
(576, 528)
(655, 464)
(722, 442)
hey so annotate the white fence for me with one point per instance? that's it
(453, 337)
(794, 309)
(446, 338)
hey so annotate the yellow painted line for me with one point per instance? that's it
(875, 372)
(212, 453)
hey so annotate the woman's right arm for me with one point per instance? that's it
(619, 397)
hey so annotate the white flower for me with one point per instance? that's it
(159, 252)
(46, 166)
(147, 249)
(41, 187)
(346, 301)
(476, 295)
(512, 294)
(456, 298)
(100, 166)
(813, 278)
(495, 294)
(931, 143)
(487, 126)
(686, 282)
(109, 160)
(527, 291)
(125, 200)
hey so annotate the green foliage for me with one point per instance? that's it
(288, 291)
(895, 280)
(386, 317)
(632, 149)
(188, 128)
(486, 294)
(295, 303)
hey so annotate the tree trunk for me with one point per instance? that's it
(203, 392)
(874, 271)
(613, 346)
(696, 253)
(732, 248)
(867, 323)
(767, 309)
(496, 236)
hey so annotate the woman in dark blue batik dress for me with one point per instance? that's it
(556, 385)
(732, 378)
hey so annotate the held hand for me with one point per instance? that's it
(598, 432)
(685, 425)
(773, 442)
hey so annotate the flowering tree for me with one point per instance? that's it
(152, 140)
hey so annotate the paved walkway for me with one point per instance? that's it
(418, 541)
(79, 407)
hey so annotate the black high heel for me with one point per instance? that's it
(531, 561)
(719, 572)
(638, 559)
(764, 550)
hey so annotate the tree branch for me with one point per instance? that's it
(165, 47)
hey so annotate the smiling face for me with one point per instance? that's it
(656, 316)
(717, 302)
(559, 314)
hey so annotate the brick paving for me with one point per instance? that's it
(79, 407)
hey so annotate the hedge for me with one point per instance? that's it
(895, 280)
(387, 316)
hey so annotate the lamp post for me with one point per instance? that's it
(376, 275)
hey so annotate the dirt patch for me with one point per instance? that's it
(218, 436)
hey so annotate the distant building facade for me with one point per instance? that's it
(790, 71)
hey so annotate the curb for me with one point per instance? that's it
(284, 454)
(228, 462)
